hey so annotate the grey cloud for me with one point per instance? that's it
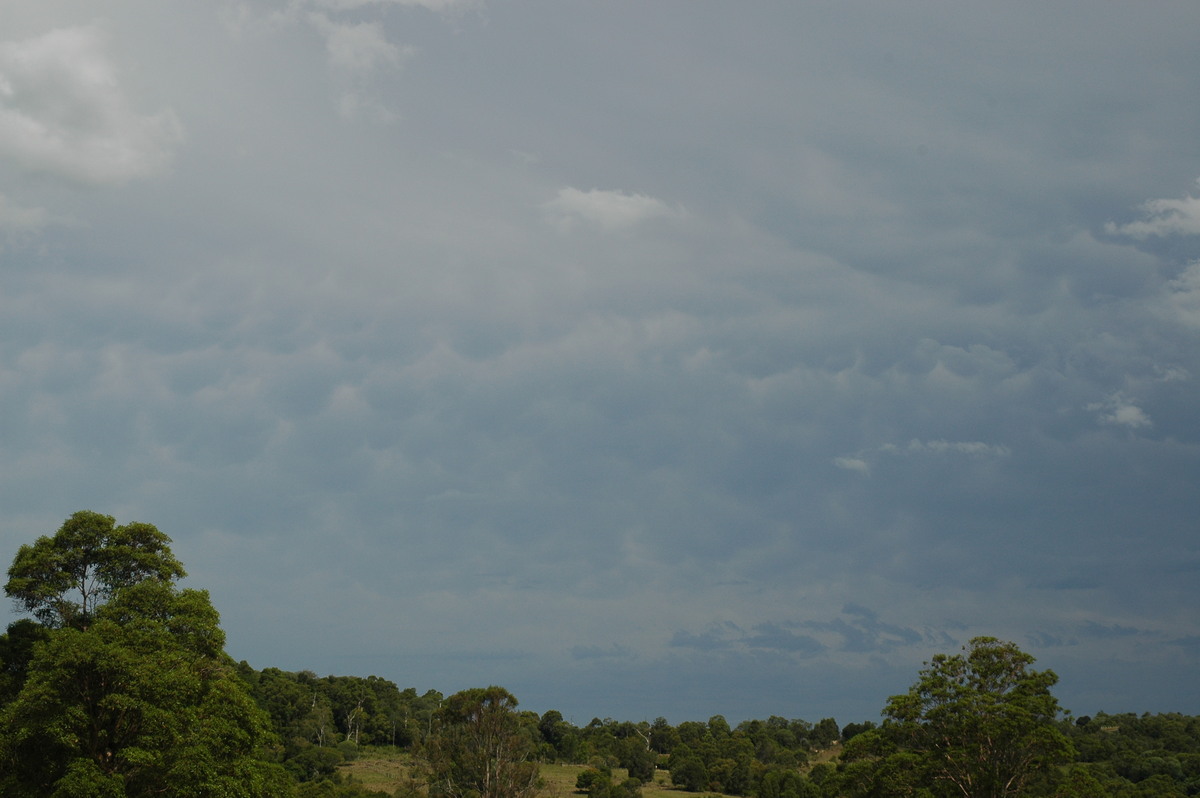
(1116, 409)
(857, 630)
(1094, 629)
(714, 639)
(350, 365)
(1163, 217)
(773, 636)
(65, 112)
(609, 210)
(599, 652)
(863, 631)
(1049, 640)
(16, 220)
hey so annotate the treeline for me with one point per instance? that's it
(1135, 756)
(325, 721)
(119, 687)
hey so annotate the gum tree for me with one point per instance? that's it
(979, 724)
(480, 749)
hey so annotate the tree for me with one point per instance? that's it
(636, 757)
(16, 652)
(824, 733)
(61, 580)
(130, 696)
(981, 724)
(480, 749)
(688, 771)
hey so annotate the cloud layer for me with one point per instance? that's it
(647, 361)
(63, 112)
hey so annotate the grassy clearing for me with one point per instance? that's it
(380, 770)
(560, 782)
(386, 771)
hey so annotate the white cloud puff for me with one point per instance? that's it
(853, 464)
(973, 448)
(1183, 296)
(1163, 217)
(360, 47)
(63, 112)
(1120, 411)
(609, 210)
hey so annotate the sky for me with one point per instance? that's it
(671, 358)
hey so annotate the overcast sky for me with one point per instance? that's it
(663, 358)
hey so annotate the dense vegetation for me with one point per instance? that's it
(120, 686)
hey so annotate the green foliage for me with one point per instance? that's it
(779, 782)
(561, 737)
(1132, 755)
(635, 756)
(688, 770)
(481, 749)
(979, 724)
(598, 783)
(122, 688)
(589, 778)
(852, 729)
(331, 788)
(16, 653)
(327, 711)
(146, 701)
(663, 736)
(62, 580)
(127, 692)
(824, 733)
(314, 763)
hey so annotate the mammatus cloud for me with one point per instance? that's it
(1163, 217)
(608, 210)
(63, 112)
(861, 462)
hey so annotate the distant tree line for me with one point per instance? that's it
(1134, 755)
(119, 687)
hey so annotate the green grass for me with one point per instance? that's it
(560, 782)
(380, 769)
(384, 770)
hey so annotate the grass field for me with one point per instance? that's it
(380, 770)
(560, 782)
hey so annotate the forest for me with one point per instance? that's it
(118, 685)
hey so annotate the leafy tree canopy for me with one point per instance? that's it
(126, 692)
(481, 749)
(980, 724)
(61, 580)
